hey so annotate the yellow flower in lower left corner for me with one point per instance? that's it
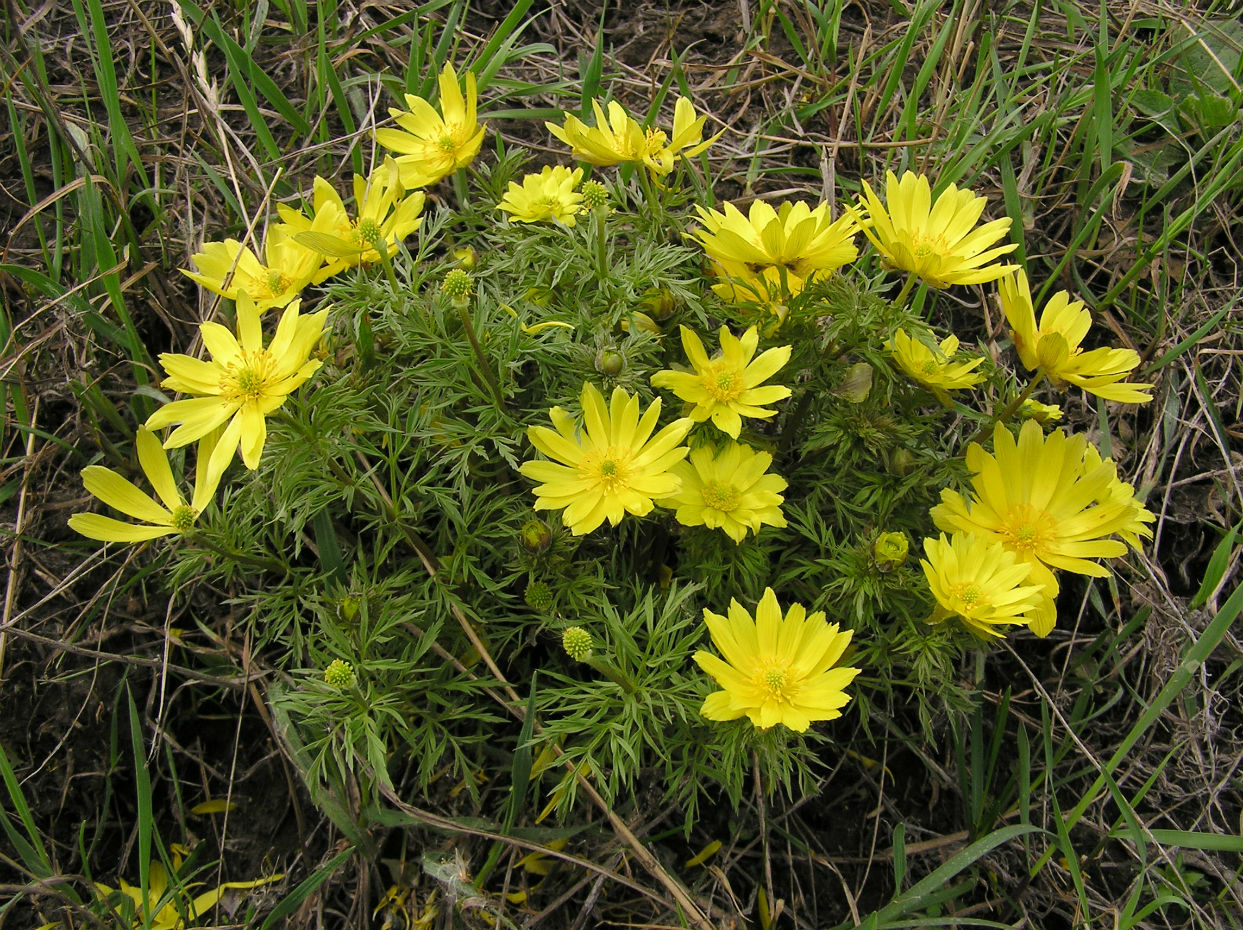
(242, 384)
(171, 514)
(776, 669)
(614, 468)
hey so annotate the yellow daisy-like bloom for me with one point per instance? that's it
(979, 581)
(232, 270)
(171, 514)
(772, 254)
(431, 144)
(387, 214)
(1049, 501)
(776, 670)
(241, 385)
(619, 139)
(616, 467)
(936, 369)
(728, 490)
(730, 385)
(939, 241)
(1054, 346)
(541, 198)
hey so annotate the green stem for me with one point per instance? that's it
(602, 264)
(257, 561)
(1009, 409)
(900, 301)
(612, 673)
(485, 366)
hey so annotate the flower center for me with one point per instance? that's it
(723, 497)
(247, 380)
(1028, 531)
(447, 144)
(722, 381)
(774, 681)
(968, 597)
(928, 247)
(183, 518)
(609, 467)
(367, 233)
(277, 283)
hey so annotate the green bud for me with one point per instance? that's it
(890, 550)
(340, 675)
(535, 536)
(658, 302)
(610, 362)
(467, 257)
(901, 462)
(347, 609)
(577, 643)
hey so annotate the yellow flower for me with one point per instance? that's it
(728, 490)
(241, 385)
(618, 138)
(1048, 500)
(432, 145)
(171, 514)
(232, 270)
(549, 195)
(937, 241)
(387, 214)
(935, 369)
(1054, 346)
(1041, 413)
(979, 581)
(769, 254)
(776, 670)
(728, 386)
(170, 903)
(615, 467)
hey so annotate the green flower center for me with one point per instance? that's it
(277, 283)
(367, 233)
(609, 468)
(1029, 531)
(447, 144)
(183, 518)
(774, 680)
(717, 496)
(723, 382)
(925, 248)
(249, 380)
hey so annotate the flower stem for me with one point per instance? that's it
(900, 301)
(1009, 409)
(485, 366)
(612, 673)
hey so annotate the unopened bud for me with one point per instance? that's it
(889, 550)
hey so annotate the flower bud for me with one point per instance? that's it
(535, 536)
(658, 302)
(610, 362)
(467, 257)
(889, 550)
(347, 609)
